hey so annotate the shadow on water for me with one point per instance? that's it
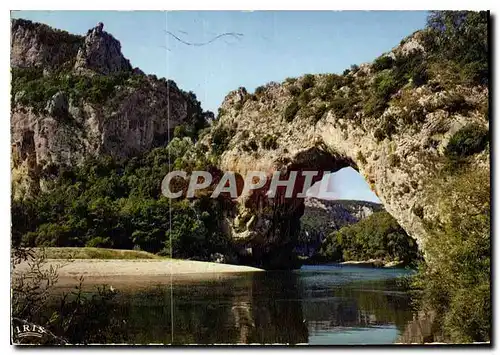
(316, 306)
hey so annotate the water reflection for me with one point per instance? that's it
(317, 306)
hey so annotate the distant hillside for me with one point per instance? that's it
(322, 217)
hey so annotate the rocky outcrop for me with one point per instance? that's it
(38, 45)
(318, 126)
(101, 53)
(93, 117)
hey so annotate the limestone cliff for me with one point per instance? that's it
(78, 96)
(390, 120)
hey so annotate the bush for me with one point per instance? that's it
(319, 112)
(260, 90)
(269, 142)
(308, 81)
(461, 37)
(294, 90)
(291, 110)
(382, 63)
(304, 98)
(251, 146)
(469, 140)
(379, 135)
(221, 136)
(456, 285)
(394, 160)
(344, 107)
(361, 158)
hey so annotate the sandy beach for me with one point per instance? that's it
(137, 271)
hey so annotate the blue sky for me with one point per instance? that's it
(275, 45)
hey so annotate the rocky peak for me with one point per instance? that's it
(101, 53)
(38, 45)
(74, 97)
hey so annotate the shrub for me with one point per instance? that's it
(291, 110)
(333, 82)
(221, 136)
(379, 135)
(461, 37)
(180, 131)
(308, 81)
(388, 126)
(260, 90)
(269, 142)
(382, 63)
(394, 160)
(294, 90)
(304, 98)
(251, 146)
(344, 107)
(469, 140)
(456, 285)
(361, 158)
(319, 112)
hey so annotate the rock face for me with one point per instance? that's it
(127, 119)
(38, 45)
(101, 53)
(397, 152)
(331, 215)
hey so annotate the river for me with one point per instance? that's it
(317, 305)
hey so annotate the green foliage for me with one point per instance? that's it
(38, 89)
(119, 205)
(377, 237)
(291, 111)
(250, 146)
(221, 136)
(469, 140)
(361, 158)
(319, 111)
(460, 37)
(260, 90)
(379, 135)
(382, 63)
(457, 283)
(308, 81)
(304, 98)
(384, 85)
(394, 160)
(294, 90)
(344, 107)
(269, 142)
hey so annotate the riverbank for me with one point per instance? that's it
(124, 273)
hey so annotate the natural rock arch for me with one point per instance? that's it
(399, 165)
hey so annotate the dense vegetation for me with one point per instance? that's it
(457, 283)
(377, 237)
(104, 203)
(455, 53)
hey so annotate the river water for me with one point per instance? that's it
(317, 305)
